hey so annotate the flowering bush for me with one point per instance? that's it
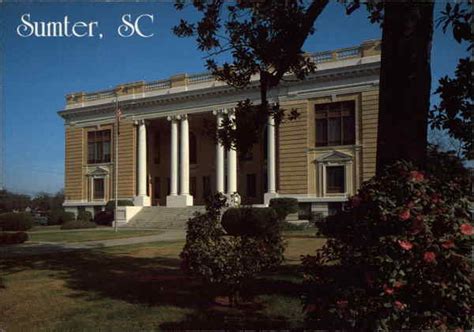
(225, 261)
(397, 258)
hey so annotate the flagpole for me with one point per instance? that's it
(116, 162)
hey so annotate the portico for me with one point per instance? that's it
(224, 168)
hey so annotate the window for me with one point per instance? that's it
(98, 185)
(192, 149)
(206, 186)
(335, 123)
(157, 188)
(335, 179)
(251, 185)
(98, 146)
(156, 146)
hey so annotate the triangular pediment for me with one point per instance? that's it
(334, 156)
(98, 171)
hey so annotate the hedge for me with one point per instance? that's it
(11, 221)
(250, 221)
(59, 217)
(84, 216)
(78, 224)
(13, 238)
(284, 206)
(104, 218)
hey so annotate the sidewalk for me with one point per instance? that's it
(50, 247)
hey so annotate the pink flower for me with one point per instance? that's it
(448, 244)
(416, 176)
(466, 229)
(429, 257)
(406, 245)
(399, 305)
(388, 290)
(342, 304)
(404, 215)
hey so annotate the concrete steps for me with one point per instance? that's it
(160, 217)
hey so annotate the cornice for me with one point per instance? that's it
(127, 106)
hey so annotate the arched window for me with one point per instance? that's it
(192, 148)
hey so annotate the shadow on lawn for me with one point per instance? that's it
(158, 282)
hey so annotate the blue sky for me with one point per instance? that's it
(38, 72)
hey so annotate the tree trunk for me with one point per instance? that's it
(405, 82)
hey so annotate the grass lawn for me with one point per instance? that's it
(87, 235)
(140, 287)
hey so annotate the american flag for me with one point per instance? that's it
(118, 116)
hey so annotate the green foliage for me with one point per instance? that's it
(13, 238)
(397, 258)
(10, 201)
(284, 206)
(105, 218)
(78, 224)
(228, 261)
(454, 112)
(289, 226)
(110, 206)
(58, 217)
(46, 202)
(252, 222)
(11, 221)
(262, 38)
(84, 216)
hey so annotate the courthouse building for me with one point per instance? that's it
(167, 155)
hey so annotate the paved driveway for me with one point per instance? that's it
(52, 247)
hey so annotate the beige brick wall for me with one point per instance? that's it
(73, 187)
(77, 182)
(127, 160)
(292, 165)
(369, 118)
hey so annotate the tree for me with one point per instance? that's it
(454, 112)
(11, 201)
(265, 39)
(405, 82)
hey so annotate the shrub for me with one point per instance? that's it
(289, 226)
(13, 238)
(84, 215)
(253, 222)
(11, 221)
(59, 217)
(227, 262)
(78, 224)
(396, 259)
(110, 206)
(105, 218)
(284, 206)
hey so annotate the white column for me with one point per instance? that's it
(184, 169)
(142, 199)
(271, 164)
(219, 156)
(271, 161)
(231, 165)
(174, 157)
(184, 198)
